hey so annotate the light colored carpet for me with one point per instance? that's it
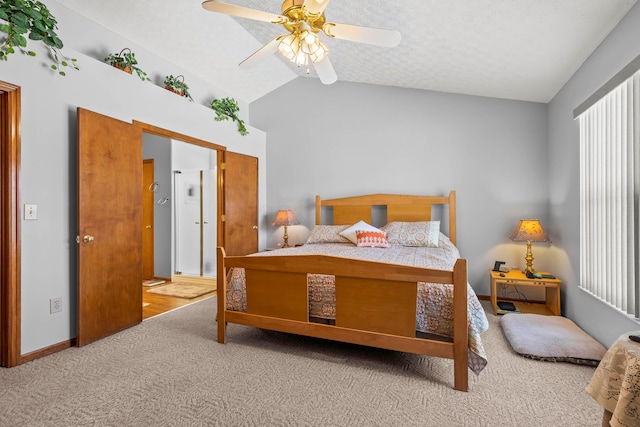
(183, 290)
(551, 338)
(169, 371)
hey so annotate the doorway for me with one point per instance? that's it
(183, 193)
(9, 225)
(185, 196)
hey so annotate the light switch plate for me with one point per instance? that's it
(30, 211)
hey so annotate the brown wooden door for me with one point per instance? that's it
(241, 204)
(109, 226)
(148, 204)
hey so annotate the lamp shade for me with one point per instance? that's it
(285, 217)
(529, 230)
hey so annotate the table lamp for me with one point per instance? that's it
(285, 218)
(529, 230)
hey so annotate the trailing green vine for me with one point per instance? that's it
(177, 86)
(227, 108)
(31, 19)
(127, 62)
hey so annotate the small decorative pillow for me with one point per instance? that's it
(420, 233)
(327, 234)
(372, 239)
(350, 233)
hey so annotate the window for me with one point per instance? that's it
(609, 196)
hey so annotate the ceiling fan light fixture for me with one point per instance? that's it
(309, 37)
(302, 48)
(302, 59)
(311, 45)
(319, 53)
(289, 46)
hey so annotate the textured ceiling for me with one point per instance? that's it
(513, 49)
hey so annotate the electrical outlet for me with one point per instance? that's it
(55, 305)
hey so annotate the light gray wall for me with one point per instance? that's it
(48, 140)
(618, 49)
(349, 139)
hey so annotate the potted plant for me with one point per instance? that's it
(32, 19)
(175, 85)
(227, 108)
(126, 61)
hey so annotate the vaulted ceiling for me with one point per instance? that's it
(513, 49)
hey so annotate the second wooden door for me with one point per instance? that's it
(241, 204)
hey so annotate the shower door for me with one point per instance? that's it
(195, 223)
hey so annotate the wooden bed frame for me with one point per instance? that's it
(375, 302)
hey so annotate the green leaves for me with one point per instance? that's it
(33, 19)
(123, 60)
(227, 108)
(178, 86)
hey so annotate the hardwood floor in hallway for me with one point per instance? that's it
(154, 304)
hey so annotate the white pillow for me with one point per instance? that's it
(327, 234)
(350, 233)
(420, 233)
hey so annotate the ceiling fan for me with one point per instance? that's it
(304, 20)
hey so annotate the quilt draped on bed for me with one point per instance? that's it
(434, 302)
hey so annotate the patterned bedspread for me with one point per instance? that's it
(435, 301)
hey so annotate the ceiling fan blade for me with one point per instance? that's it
(243, 12)
(325, 71)
(315, 7)
(262, 53)
(355, 33)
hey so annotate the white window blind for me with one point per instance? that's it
(609, 201)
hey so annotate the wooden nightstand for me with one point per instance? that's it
(551, 304)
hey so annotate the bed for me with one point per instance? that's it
(406, 293)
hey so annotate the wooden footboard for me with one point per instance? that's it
(375, 303)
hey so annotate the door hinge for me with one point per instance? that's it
(223, 218)
(223, 166)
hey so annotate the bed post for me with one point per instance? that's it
(318, 210)
(460, 326)
(221, 293)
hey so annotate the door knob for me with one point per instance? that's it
(255, 227)
(148, 227)
(87, 239)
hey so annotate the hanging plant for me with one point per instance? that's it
(31, 19)
(227, 108)
(175, 85)
(127, 62)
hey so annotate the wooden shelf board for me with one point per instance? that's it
(528, 307)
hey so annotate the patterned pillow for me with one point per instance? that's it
(327, 234)
(421, 233)
(350, 233)
(372, 239)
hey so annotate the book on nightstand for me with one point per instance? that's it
(505, 307)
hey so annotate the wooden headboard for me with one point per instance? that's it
(349, 210)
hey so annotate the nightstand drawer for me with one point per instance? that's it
(533, 282)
